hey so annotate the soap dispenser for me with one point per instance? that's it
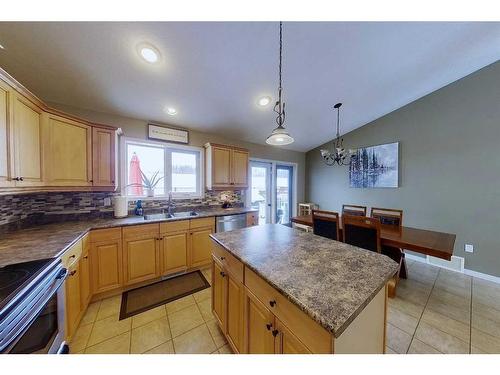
(138, 208)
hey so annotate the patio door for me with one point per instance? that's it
(260, 189)
(284, 194)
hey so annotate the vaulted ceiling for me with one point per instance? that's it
(214, 73)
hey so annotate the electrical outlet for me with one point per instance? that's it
(107, 202)
(469, 248)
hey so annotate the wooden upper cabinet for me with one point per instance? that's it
(69, 152)
(103, 156)
(28, 137)
(5, 139)
(239, 168)
(226, 167)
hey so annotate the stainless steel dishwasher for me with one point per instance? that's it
(231, 222)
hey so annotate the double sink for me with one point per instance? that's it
(175, 215)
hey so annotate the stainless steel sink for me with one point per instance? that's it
(170, 216)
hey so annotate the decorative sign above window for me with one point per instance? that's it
(164, 133)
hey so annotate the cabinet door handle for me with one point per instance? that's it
(86, 257)
(222, 258)
(16, 179)
(72, 273)
(222, 274)
(275, 332)
(21, 178)
(269, 326)
(91, 180)
(272, 303)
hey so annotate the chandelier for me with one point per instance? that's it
(279, 136)
(339, 154)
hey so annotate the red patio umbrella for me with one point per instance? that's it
(134, 175)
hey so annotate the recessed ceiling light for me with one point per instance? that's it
(171, 111)
(2, 47)
(149, 53)
(265, 100)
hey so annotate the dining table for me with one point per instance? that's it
(423, 241)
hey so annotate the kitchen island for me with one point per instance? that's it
(281, 290)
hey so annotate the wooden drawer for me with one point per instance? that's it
(72, 255)
(142, 230)
(316, 338)
(100, 235)
(228, 261)
(174, 226)
(203, 222)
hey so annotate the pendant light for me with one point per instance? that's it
(339, 154)
(279, 136)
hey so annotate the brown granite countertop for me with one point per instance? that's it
(331, 281)
(51, 240)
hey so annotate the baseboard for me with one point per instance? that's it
(479, 275)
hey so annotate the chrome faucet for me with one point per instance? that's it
(170, 204)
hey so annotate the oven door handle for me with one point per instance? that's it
(23, 325)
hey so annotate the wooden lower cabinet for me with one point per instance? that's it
(235, 301)
(174, 250)
(218, 291)
(106, 263)
(287, 342)
(140, 260)
(85, 291)
(200, 246)
(73, 301)
(258, 327)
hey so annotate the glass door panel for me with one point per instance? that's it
(284, 183)
(260, 190)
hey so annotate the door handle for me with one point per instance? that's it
(269, 326)
(275, 332)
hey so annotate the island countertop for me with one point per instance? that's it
(51, 240)
(329, 280)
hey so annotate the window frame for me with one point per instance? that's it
(168, 148)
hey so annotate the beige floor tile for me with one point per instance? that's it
(184, 320)
(455, 278)
(109, 307)
(196, 341)
(91, 313)
(418, 347)
(216, 333)
(485, 342)
(440, 340)
(397, 339)
(203, 295)
(150, 335)
(446, 324)
(80, 338)
(413, 293)
(117, 345)
(485, 311)
(407, 307)
(148, 316)
(165, 348)
(389, 351)
(402, 320)
(226, 349)
(475, 350)
(179, 304)
(489, 326)
(450, 299)
(453, 289)
(206, 309)
(108, 328)
(486, 293)
(451, 311)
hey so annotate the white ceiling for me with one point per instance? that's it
(213, 73)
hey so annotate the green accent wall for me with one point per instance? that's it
(449, 166)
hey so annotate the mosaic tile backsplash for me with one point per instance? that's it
(46, 207)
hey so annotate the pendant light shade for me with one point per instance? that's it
(279, 137)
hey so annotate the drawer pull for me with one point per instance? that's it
(72, 273)
(72, 256)
(269, 326)
(222, 258)
(272, 303)
(86, 257)
(222, 274)
(275, 332)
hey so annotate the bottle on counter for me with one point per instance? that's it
(138, 208)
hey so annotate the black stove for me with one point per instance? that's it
(32, 306)
(14, 278)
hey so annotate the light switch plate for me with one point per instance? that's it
(469, 248)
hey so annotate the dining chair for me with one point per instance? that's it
(353, 210)
(392, 219)
(362, 231)
(326, 224)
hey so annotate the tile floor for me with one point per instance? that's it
(435, 311)
(182, 326)
(440, 311)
